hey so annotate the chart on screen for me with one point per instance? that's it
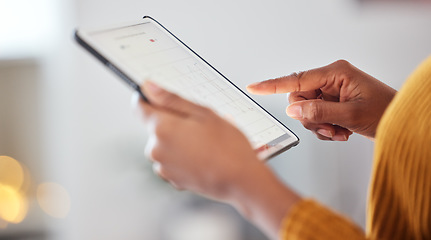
(150, 54)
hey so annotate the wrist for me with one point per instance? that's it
(262, 198)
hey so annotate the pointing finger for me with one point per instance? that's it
(296, 82)
(303, 81)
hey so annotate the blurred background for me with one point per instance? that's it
(72, 164)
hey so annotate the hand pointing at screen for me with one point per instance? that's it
(332, 101)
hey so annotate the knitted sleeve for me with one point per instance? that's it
(399, 204)
(310, 220)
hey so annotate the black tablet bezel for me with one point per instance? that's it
(129, 81)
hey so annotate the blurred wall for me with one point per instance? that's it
(92, 143)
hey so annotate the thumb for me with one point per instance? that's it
(163, 99)
(320, 111)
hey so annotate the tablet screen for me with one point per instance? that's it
(146, 50)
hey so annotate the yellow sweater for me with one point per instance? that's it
(399, 205)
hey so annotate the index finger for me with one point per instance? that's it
(296, 82)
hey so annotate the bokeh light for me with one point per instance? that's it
(13, 201)
(11, 172)
(53, 199)
(13, 204)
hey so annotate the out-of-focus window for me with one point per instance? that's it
(27, 27)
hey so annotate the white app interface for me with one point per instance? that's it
(149, 53)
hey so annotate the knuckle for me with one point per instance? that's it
(342, 63)
(156, 154)
(313, 112)
(292, 97)
(298, 76)
(299, 96)
(344, 69)
(272, 84)
(308, 126)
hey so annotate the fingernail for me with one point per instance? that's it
(253, 85)
(325, 133)
(294, 112)
(152, 87)
(340, 138)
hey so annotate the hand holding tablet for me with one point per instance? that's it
(147, 50)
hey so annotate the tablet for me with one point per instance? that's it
(147, 50)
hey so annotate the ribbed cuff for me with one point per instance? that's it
(310, 220)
